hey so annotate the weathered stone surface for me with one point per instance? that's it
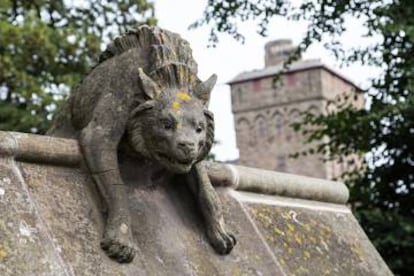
(309, 238)
(169, 232)
(26, 245)
(51, 224)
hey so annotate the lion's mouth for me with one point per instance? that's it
(172, 160)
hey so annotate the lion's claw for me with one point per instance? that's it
(118, 251)
(222, 241)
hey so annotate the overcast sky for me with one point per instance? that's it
(230, 58)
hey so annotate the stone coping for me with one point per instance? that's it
(65, 152)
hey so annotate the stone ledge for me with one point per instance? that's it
(40, 149)
(65, 152)
(276, 183)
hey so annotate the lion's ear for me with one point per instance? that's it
(151, 89)
(142, 107)
(203, 90)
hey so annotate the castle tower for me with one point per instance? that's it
(263, 112)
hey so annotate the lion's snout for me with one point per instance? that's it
(187, 147)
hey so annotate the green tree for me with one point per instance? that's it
(47, 46)
(382, 194)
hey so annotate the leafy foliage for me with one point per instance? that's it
(47, 46)
(382, 194)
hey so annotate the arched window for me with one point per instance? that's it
(313, 110)
(294, 117)
(261, 128)
(278, 123)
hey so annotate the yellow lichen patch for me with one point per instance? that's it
(312, 240)
(327, 272)
(307, 254)
(298, 239)
(302, 270)
(183, 96)
(265, 219)
(278, 231)
(176, 105)
(326, 228)
(290, 227)
(3, 253)
(356, 249)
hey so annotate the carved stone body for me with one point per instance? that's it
(144, 98)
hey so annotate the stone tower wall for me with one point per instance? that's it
(263, 114)
(278, 51)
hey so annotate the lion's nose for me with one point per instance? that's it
(186, 146)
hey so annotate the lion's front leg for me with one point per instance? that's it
(101, 158)
(99, 143)
(117, 239)
(210, 205)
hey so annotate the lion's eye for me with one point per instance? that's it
(200, 128)
(167, 124)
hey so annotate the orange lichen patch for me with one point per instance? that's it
(183, 96)
(176, 105)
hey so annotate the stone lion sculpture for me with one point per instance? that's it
(144, 96)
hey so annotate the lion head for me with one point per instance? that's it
(173, 126)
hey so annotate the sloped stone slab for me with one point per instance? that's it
(168, 232)
(312, 238)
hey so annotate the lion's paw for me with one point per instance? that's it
(118, 245)
(222, 241)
